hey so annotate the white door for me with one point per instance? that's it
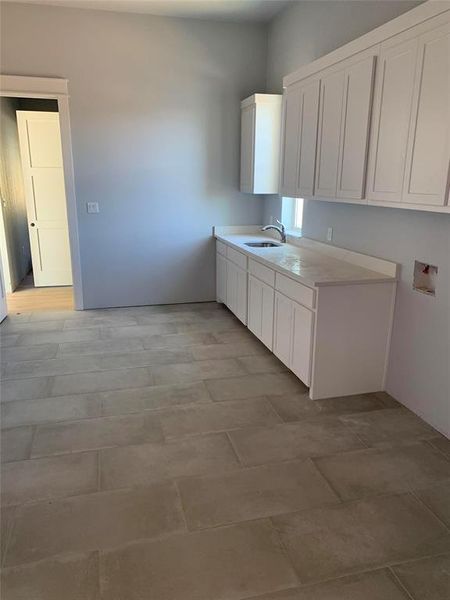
(3, 307)
(391, 117)
(289, 159)
(282, 330)
(221, 278)
(330, 112)
(309, 111)
(428, 153)
(260, 310)
(355, 129)
(42, 166)
(248, 115)
(302, 343)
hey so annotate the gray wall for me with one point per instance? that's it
(419, 363)
(155, 127)
(12, 191)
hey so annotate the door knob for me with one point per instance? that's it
(33, 224)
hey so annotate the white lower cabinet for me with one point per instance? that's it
(236, 291)
(293, 331)
(260, 310)
(221, 278)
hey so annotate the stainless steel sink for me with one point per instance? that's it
(261, 244)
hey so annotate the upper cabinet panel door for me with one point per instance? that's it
(428, 153)
(358, 87)
(248, 115)
(330, 113)
(289, 159)
(392, 111)
(309, 112)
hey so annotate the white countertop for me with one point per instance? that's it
(310, 262)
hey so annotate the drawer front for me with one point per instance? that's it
(295, 291)
(238, 258)
(261, 272)
(221, 248)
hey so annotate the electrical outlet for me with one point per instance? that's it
(92, 207)
(329, 234)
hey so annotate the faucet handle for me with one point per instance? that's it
(283, 228)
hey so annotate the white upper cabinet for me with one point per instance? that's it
(300, 114)
(409, 153)
(356, 109)
(428, 151)
(345, 103)
(370, 122)
(260, 143)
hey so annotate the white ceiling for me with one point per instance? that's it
(226, 10)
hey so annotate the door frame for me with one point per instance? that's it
(52, 88)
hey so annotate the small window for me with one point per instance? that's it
(292, 214)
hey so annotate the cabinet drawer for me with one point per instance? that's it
(238, 258)
(261, 272)
(295, 291)
(221, 248)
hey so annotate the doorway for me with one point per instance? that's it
(34, 238)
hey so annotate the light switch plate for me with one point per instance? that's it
(92, 207)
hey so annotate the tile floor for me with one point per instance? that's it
(162, 453)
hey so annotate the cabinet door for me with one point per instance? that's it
(427, 161)
(392, 111)
(248, 115)
(328, 143)
(231, 286)
(221, 278)
(308, 118)
(282, 329)
(289, 158)
(358, 84)
(260, 310)
(241, 295)
(302, 330)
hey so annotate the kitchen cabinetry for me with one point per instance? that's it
(370, 122)
(260, 143)
(334, 338)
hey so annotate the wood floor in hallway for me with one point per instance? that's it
(27, 298)
(162, 453)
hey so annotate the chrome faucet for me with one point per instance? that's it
(281, 230)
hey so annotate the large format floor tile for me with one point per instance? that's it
(118, 379)
(437, 498)
(204, 418)
(426, 579)
(140, 465)
(377, 585)
(93, 522)
(250, 386)
(328, 542)
(253, 493)
(196, 371)
(47, 410)
(63, 578)
(229, 563)
(92, 434)
(25, 389)
(388, 427)
(16, 443)
(377, 471)
(30, 480)
(293, 440)
(18, 353)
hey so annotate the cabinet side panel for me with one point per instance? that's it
(351, 339)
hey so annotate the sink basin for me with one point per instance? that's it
(261, 244)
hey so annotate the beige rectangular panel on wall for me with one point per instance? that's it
(428, 152)
(328, 142)
(355, 129)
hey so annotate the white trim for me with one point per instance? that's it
(413, 17)
(262, 99)
(57, 89)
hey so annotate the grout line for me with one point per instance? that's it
(428, 508)
(236, 453)
(399, 582)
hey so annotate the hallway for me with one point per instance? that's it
(27, 298)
